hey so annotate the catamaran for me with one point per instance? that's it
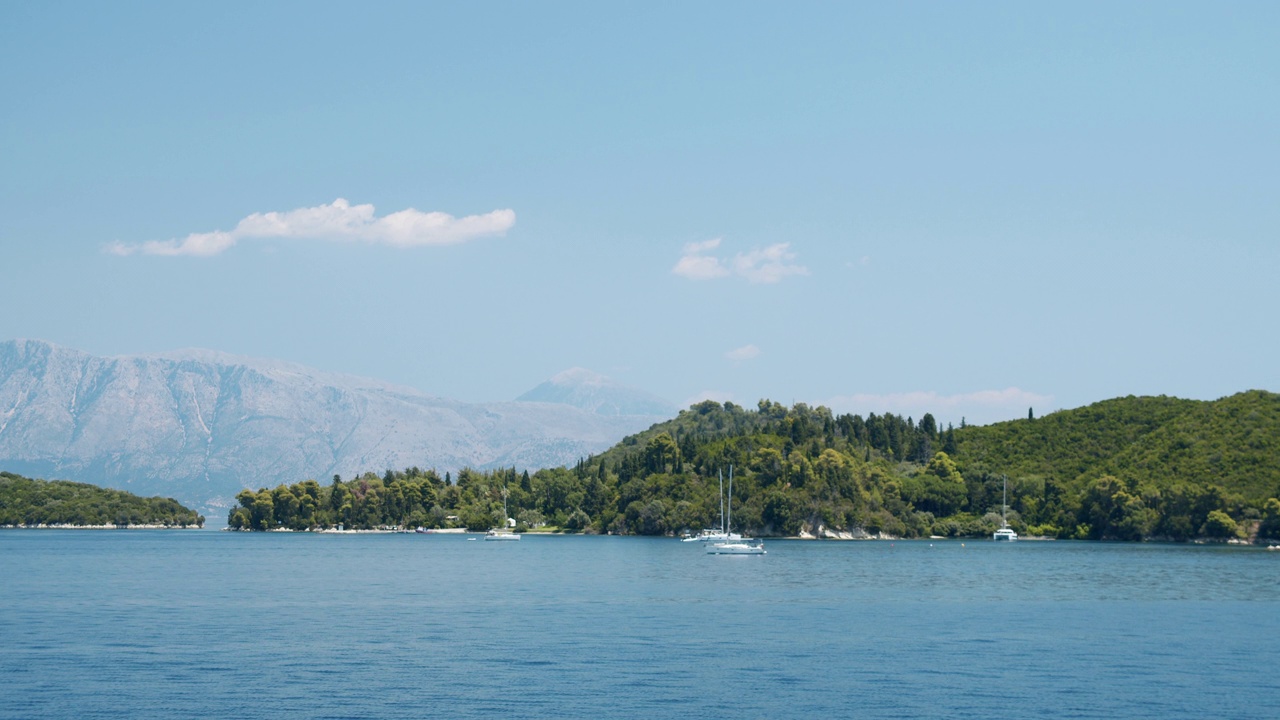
(734, 544)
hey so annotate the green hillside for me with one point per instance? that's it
(1134, 467)
(1160, 441)
(1068, 444)
(1128, 469)
(27, 503)
(1233, 442)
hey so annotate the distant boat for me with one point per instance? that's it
(712, 534)
(734, 544)
(502, 533)
(1005, 533)
(740, 547)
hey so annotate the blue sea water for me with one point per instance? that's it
(158, 624)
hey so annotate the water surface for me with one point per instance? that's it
(115, 624)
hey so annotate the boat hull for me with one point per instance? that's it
(735, 549)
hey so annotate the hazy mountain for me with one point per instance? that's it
(199, 425)
(598, 394)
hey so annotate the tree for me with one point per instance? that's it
(531, 518)
(595, 497)
(836, 472)
(781, 512)
(338, 494)
(262, 510)
(928, 426)
(1219, 525)
(577, 521)
(939, 489)
(662, 453)
(1270, 525)
(1112, 511)
(476, 519)
(1133, 520)
(768, 465)
(286, 506)
(949, 440)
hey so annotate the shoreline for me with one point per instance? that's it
(65, 526)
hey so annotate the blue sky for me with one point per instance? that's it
(968, 208)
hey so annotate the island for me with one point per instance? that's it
(28, 503)
(1131, 468)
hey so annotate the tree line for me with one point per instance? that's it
(803, 469)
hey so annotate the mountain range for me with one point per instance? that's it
(199, 425)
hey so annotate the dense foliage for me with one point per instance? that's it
(1130, 468)
(26, 502)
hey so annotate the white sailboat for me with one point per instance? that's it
(503, 533)
(712, 534)
(1005, 533)
(734, 544)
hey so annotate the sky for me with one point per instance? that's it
(969, 209)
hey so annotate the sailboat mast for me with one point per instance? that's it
(1004, 502)
(729, 524)
(721, 474)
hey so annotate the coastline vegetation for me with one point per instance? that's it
(1131, 468)
(32, 503)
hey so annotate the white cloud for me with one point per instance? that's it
(768, 265)
(701, 247)
(764, 265)
(695, 265)
(338, 220)
(977, 408)
(700, 267)
(746, 352)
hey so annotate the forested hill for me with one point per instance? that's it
(1130, 468)
(28, 503)
(1153, 441)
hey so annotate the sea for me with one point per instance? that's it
(207, 624)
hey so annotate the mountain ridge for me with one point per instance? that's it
(200, 425)
(598, 394)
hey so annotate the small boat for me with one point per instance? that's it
(1005, 533)
(741, 547)
(502, 533)
(712, 535)
(733, 543)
